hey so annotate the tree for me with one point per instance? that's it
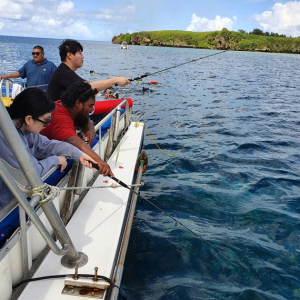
(226, 34)
(257, 31)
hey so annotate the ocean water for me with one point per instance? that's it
(235, 183)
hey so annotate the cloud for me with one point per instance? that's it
(10, 9)
(43, 18)
(282, 19)
(117, 13)
(204, 24)
(62, 19)
(65, 7)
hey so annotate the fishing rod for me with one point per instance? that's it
(175, 220)
(194, 60)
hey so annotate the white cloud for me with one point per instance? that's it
(117, 14)
(10, 9)
(42, 22)
(283, 19)
(62, 19)
(77, 29)
(204, 24)
(65, 7)
(24, 1)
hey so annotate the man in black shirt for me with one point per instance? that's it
(70, 52)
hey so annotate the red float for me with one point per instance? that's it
(103, 107)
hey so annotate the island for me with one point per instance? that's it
(224, 39)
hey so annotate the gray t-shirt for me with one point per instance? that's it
(43, 153)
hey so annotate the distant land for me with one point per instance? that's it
(222, 40)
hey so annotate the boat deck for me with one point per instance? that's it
(96, 226)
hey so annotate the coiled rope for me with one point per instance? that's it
(46, 193)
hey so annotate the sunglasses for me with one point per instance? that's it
(36, 53)
(45, 123)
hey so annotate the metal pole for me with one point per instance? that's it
(18, 148)
(9, 181)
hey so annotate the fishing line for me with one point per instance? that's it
(160, 71)
(194, 60)
(178, 152)
(174, 219)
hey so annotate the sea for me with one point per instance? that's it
(222, 141)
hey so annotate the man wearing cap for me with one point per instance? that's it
(38, 71)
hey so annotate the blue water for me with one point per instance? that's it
(236, 185)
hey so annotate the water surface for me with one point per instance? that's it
(237, 185)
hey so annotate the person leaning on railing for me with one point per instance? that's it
(38, 71)
(72, 112)
(31, 112)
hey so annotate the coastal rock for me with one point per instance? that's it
(222, 44)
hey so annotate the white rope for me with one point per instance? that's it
(113, 186)
(48, 192)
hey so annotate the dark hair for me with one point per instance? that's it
(39, 47)
(81, 90)
(30, 102)
(69, 45)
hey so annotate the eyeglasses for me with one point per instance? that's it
(36, 53)
(45, 123)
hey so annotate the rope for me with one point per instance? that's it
(46, 193)
(113, 186)
(198, 138)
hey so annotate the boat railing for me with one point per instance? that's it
(71, 255)
(21, 233)
(103, 148)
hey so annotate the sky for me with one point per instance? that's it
(100, 20)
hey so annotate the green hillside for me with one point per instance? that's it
(223, 40)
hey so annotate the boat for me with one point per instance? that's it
(124, 45)
(87, 258)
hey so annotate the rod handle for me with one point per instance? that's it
(113, 178)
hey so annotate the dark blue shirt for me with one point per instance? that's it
(38, 75)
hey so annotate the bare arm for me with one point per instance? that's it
(76, 141)
(101, 85)
(12, 75)
(89, 132)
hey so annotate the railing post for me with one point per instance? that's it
(116, 128)
(110, 137)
